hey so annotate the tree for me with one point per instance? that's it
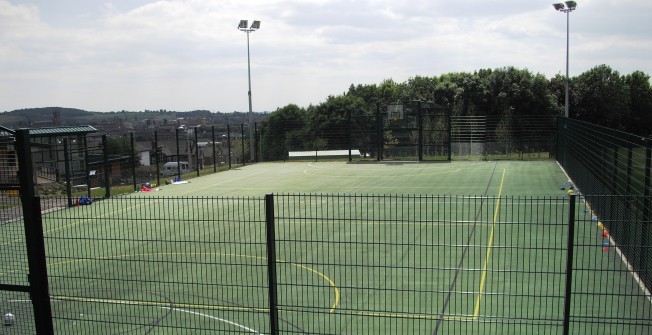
(640, 97)
(601, 96)
(330, 119)
(282, 130)
(504, 130)
(557, 90)
(521, 90)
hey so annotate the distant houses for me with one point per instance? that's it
(77, 154)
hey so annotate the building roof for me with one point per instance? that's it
(51, 131)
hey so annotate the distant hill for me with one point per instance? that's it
(28, 116)
(44, 117)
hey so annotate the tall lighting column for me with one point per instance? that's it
(243, 26)
(566, 7)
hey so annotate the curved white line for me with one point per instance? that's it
(214, 318)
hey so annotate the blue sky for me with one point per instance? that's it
(103, 55)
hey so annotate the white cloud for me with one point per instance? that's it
(182, 55)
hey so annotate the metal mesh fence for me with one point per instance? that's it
(8, 163)
(186, 265)
(21, 320)
(604, 162)
(506, 137)
(343, 264)
(13, 256)
(609, 271)
(414, 264)
(102, 165)
(416, 133)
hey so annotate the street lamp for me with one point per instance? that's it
(243, 26)
(566, 7)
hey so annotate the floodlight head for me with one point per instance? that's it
(558, 6)
(571, 5)
(242, 24)
(255, 25)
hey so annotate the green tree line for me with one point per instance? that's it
(600, 95)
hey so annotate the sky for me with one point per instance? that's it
(183, 55)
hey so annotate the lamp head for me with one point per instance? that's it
(255, 25)
(558, 6)
(571, 5)
(242, 24)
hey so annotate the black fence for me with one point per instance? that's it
(332, 264)
(101, 165)
(527, 137)
(604, 162)
(416, 131)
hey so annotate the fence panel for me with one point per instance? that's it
(14, 274)
(609, 270)
(421, 265)
(612, 169)
(149, 264)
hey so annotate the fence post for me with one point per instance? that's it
(228, 143)
(256, 143)
(133, 160)
(214, 153)
(569, 263)
(87, 168)
(157, 158)
(419, 132)
(243, 144)
(196, 152)
(271, 263)
(558, 143)
(38, 272)
(630, 162)
(379, 132)
(105, 161)
(66, 164)
(350, 135)
(449, 121)
(176, 134)
(647, 219)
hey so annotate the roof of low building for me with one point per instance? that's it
(52, 131)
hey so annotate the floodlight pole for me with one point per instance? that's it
(568, 7)
(567, 61)
(254, 26)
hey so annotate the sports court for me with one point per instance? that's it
(365, 247)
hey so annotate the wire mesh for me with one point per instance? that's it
(419, 132)
(604, 162)
(174, 264)
(17, 313)
(345, 263)
(13, 249)
(414, 264)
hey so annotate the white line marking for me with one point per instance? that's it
(214, 318)
(623, 258)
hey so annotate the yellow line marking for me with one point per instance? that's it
(476, 311)
(330, 282)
